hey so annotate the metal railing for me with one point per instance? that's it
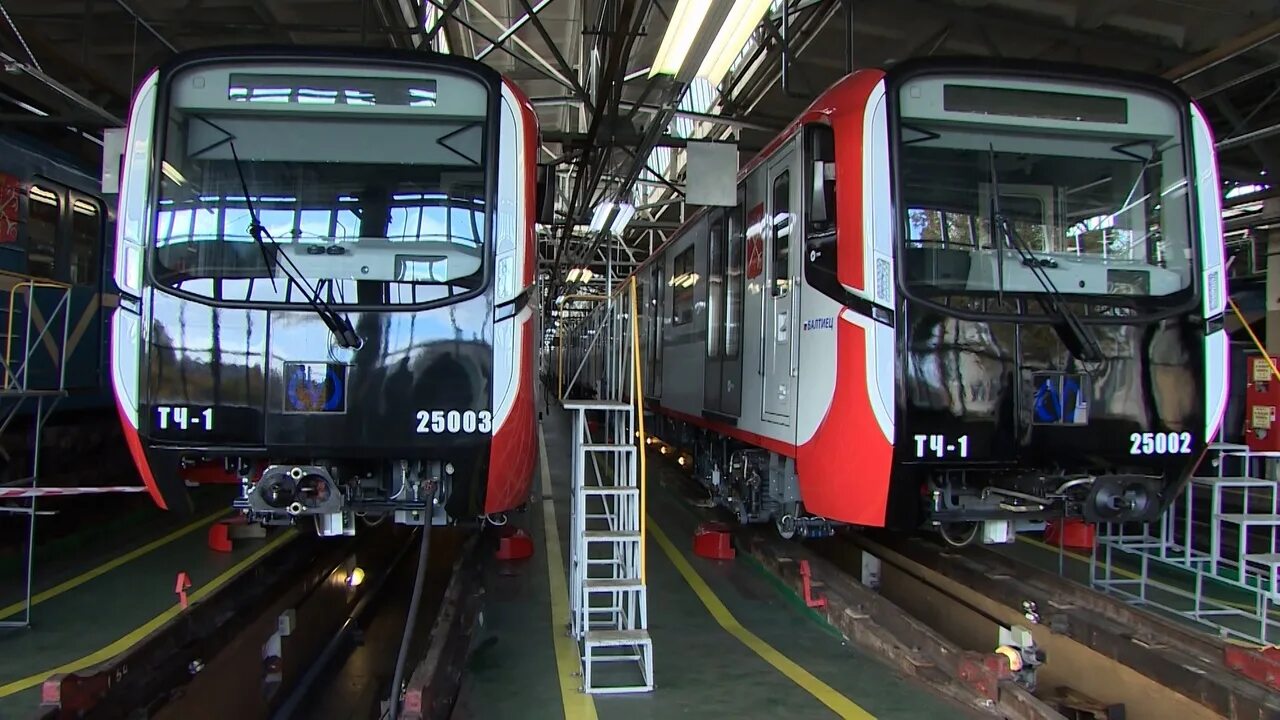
(19, 390)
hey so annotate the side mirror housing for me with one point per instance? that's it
(822, 200)
(546, 194)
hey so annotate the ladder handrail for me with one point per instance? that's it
(11, 376)
(637, 386)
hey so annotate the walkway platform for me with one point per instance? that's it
(728, 639)
(100, 593)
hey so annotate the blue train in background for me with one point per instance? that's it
(56, 296)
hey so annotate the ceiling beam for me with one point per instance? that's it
(1226, 51)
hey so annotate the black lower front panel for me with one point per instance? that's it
(1005, 403)
(274, 386)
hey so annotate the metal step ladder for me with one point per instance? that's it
(1223, 532)
(610, 614)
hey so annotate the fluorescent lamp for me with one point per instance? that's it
(732, 37)
(626, 211)
(172, 173)
(681, 32)
(41, 195)
(577, 275)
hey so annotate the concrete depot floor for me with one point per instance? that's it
(92, 599)
(700, 669)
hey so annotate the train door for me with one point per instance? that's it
(723, 386)
(659, 296)
(779, 301)
(713, 384)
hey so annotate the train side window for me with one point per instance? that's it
(43, 209)
(715, 282)
(683, 278)
(733, 284)
(781, 233)
(86, 240)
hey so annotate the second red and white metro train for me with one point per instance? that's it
(956, 294)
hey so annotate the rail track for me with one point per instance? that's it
(311, 630)
(936, 613)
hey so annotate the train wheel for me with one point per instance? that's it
(959, 534)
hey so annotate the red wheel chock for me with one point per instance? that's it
(222, 532)
(515, 544)
(1070, 533)
(713, 540)
(220, 537)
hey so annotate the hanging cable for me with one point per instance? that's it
(23, 41)
(409, 622)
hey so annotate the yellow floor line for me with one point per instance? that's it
(1132, 575)
(110, 565)
(827, 695)
(577, 704)
(119, 646)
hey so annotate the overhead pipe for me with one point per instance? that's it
(1225, 52)
(1247, 138)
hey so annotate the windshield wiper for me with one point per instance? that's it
(339, 324)
(1074, 333)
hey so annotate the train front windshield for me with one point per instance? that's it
(1087, 183)
(369, 182)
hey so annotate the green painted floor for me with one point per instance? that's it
(700, 669)
(83, 619)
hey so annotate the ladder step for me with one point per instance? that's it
(615, 638)
(1272, 559)
(596, 405)
(612, 536)
(613, 584)
(610, 490)
(608, 447)
(1250, 519)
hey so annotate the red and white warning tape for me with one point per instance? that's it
(6, 493)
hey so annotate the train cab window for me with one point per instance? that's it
(781, 233)
(44, 208)
(715, 287)
(733, 284)
(86, 238)
(683, 278)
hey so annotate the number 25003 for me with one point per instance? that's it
(438, 422)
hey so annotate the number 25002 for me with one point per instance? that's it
(1170, 443)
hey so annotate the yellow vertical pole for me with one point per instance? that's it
(637, 389)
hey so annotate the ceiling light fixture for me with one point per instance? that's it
(683, 30)
(626, 211)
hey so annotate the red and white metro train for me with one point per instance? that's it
(326, 260)
(958, 294)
